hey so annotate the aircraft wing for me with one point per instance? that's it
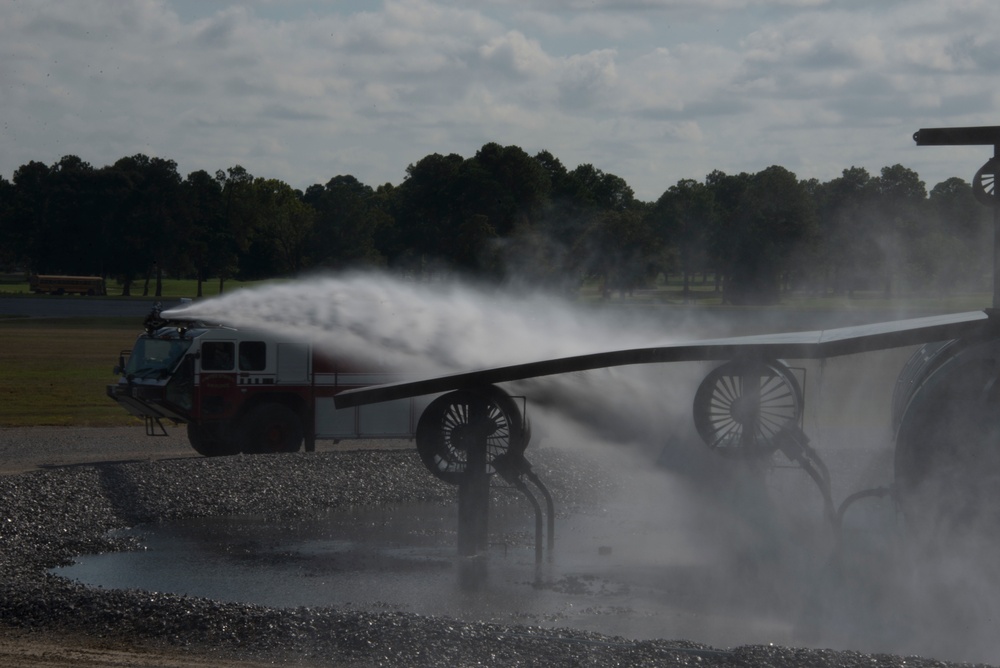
(795, 345)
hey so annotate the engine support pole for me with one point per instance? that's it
(996, 238)
(474, 488)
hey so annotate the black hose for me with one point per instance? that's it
(824, 489)
(857, 496)
(519, 484)
(550, 507)
(795, 445)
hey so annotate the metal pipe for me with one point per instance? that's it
(550, 506)
(996, 239)
(538, 518)
(474, 488)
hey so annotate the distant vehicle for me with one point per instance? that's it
(63, 285)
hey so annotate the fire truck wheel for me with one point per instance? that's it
(270, 428)
(209, 441)
(446, 430)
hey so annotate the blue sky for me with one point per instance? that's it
(652, 91)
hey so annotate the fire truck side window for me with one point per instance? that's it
(217, 356)
(253, 355)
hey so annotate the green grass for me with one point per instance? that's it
(173, 288)
(55, 371)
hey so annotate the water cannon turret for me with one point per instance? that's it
(154, 321)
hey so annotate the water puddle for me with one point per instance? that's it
(661, 565)
(615, 576)
(724, 567)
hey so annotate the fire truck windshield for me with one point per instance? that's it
(153, 358)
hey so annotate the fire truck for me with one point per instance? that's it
(251, 391)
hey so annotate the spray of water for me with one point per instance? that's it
(426, 326)
(759, 534)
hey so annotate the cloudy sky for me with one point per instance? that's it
(653, 91)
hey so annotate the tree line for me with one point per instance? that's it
(501, 215)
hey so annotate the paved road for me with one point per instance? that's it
(24, 449)
(37, 448)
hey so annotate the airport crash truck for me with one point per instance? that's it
(249, 391)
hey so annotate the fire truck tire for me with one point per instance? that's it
(209, 441)
(444, 428)
(270, 427)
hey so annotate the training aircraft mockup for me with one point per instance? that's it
(946, 407)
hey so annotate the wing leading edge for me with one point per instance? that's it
(794, 345)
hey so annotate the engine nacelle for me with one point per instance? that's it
(457, 422)
(743, 405)
(946, 413)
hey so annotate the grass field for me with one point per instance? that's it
(172, 288)
(54, 371)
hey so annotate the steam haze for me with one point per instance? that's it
(753, 558)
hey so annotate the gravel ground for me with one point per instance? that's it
(49, 516)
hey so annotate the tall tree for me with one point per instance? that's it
(848, 250)
(427, 206)
(72, 217)
(203, 227)
(10, 257)
(603, 190)
(506, 185)
(900, 223)
(960, 236)
(682, 218)
(349, 221)
(148, 208)
(724, 234)
(540, 253)
(763, 219)
(619, 249)
(52, 217)
(240, 221)
(29, 222)
(280, 244)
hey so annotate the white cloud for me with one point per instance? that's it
(650, 91)
(516, 54)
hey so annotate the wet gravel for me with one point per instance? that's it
(48, 517)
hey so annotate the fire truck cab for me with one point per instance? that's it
(250, 391)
